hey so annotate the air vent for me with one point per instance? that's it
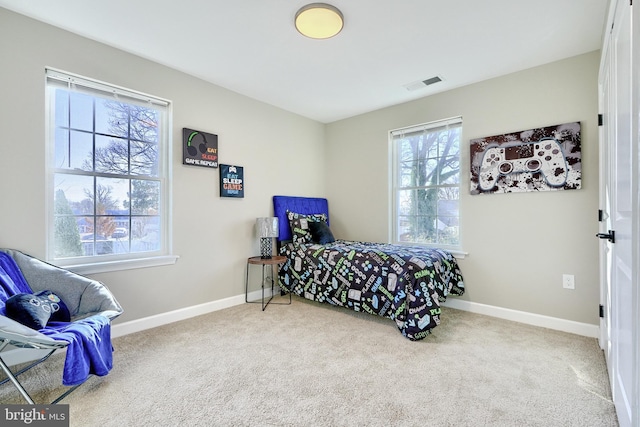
(432, 80)
(423, 83)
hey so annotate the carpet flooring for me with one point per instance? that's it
(308, 364)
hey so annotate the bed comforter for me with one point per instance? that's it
(404, 283)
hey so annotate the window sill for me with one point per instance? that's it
(458, 254)
(106, 267)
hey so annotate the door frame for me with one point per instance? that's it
(607, 169)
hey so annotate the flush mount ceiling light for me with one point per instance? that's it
(319, 21)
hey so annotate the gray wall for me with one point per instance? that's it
(212, 236)
(519, 245)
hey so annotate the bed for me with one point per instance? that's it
(404, 283)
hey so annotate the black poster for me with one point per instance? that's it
(231, 181)
(199, 148)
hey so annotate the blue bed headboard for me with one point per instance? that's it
(303, 205)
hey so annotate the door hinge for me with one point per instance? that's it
(600, 215)
(600, 119)
(601, 311)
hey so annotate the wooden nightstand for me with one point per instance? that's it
(264, 262)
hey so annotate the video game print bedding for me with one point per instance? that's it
(404, 283)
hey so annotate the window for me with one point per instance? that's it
(426, 183)
(107, 175)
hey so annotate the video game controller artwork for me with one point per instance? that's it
(541, 159)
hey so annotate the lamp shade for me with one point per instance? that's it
(319, 21)
(267, 227)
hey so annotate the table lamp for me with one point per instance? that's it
(266, 229)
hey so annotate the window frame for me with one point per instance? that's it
(395, 187)
(55, 79)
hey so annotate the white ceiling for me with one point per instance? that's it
(253, 48)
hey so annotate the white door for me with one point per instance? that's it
(619, 197)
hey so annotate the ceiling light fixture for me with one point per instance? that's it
(319, 21)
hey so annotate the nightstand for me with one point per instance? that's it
(265, 263)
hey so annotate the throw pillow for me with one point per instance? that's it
(36, 310)
(321, 233)
(299, 224)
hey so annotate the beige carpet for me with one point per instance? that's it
(316, 365)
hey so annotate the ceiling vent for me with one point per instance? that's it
(423, 83)
(432, 80)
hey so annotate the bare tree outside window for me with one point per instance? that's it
(100, 225)
(427, 178)
(107, 176)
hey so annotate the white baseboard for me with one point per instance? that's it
(121, 329)
(584, 329)
(570, 326)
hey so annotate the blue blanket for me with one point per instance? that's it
(89, 351)
(11, 281)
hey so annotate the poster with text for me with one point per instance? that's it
(231, 181)
(199, 148)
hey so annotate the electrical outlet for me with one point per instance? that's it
(568, 281)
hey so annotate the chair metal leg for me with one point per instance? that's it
(11, 376)
(15, 382)
(66, 393)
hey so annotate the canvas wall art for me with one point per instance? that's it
(541, 159)
(199, 148)
(231, 181)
